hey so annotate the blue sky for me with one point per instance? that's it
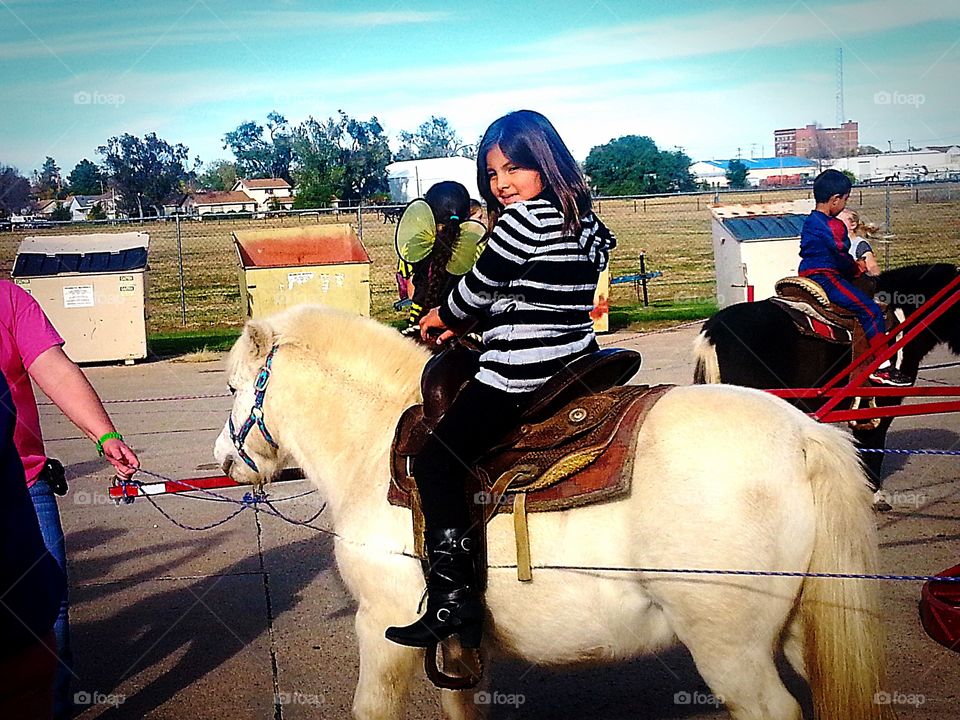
(710, 77)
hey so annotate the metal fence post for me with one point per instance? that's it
(183, 287)
(886, 202)
(643, 280)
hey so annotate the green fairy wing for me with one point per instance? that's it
(468, 247)
(416, 232)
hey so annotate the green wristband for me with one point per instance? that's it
(104, 438)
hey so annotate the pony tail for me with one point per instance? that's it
(447, 236)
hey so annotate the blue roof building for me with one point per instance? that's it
(713, 172)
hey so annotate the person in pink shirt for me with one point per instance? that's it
(32, 350)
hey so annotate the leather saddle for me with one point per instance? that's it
(573, 446)
(807, 305)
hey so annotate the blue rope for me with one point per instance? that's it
(751, 573)
(898, 451)
(250, 500)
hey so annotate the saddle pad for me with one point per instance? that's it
(574, 466)
(810, 321)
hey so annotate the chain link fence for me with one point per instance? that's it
(193, 278)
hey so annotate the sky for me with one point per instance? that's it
(713, 78)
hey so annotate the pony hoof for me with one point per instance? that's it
(880, 502)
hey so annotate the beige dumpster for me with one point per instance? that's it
(92, 287)
(319, 264)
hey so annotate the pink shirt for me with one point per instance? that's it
(25, 333)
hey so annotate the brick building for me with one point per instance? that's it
(812, 141)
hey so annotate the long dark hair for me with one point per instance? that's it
(528, 139)
(450, 202)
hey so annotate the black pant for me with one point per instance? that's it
(480, 417)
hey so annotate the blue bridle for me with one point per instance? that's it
(255, 418)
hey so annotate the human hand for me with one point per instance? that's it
(122, 457)
(430, 324)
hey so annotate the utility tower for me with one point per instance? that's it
(841, 115)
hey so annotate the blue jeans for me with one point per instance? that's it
(45, 503)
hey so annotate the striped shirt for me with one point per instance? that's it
(531, 293)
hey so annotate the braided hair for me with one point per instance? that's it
(450, 203)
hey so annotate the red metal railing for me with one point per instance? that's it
(833, 393)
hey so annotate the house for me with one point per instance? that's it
(772, 170)
(45, 208)
(230, 201)
(177, 204)
(269, 193)
(410, 179)
(81, 205)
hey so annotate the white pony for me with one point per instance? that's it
(726, 477)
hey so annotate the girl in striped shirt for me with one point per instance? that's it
(530, 296)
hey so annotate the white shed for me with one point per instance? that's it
(410, 179)
(754, 246)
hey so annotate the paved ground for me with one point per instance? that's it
(213, 624)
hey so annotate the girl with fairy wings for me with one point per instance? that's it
(438, 240)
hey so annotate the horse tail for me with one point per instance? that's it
(705, 353)
(843, 638)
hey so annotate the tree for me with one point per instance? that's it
(318, 173)
(737, 174)
(14, 192)
(86, 179)
(434, 138)
(144, 172)
(340, 157)
(365, 154)
(850, 176)
(218, 175)
(47, 182)
(61, 213)
(867, 150)
(633, 164)
(258, 156)
(97, 212)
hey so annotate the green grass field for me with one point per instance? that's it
(674, 233)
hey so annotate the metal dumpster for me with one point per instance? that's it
(321, 264)
(92, 287)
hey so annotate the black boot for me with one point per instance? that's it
(454, 605)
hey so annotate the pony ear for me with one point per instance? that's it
(260, 336)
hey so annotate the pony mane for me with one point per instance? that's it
(910, 286)
(362, 350)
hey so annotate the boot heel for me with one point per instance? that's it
(470, 636)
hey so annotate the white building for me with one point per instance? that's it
(774, 171)
(219, 202)
(930, 163)
(410, 179)
(81, 205)
(754, 246)
(267, 192)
